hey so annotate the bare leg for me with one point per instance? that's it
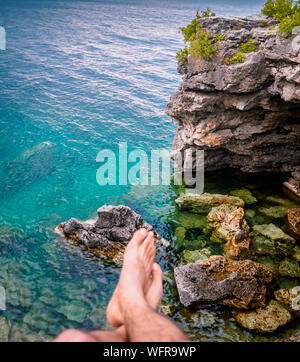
(129, 306)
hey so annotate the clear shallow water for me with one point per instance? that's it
(83, 76)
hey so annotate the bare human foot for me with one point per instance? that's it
(135, 283)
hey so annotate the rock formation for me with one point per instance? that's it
(264, 320)
(108, 235)
(244, 115)
(241, 284)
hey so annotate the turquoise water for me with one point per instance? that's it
(82, 76)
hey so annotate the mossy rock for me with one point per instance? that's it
(281, 201)
(289, 268)
(180, 234)
(191, 256)
(264, 320)
(276, 212)
(192, 221)
(250, 214)
(269, 239)
(202, 203)
(245, 195)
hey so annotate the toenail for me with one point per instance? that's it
(143, 231)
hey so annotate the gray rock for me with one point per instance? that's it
(241, 284)
(108, 235)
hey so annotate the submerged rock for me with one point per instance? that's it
(192, 221)
(202, 203)
(294, 338)
(20, 335)
(276, 212)
(228, 223)
(245, 195)
(241, 284)
(191, 256)
(293, 222)
(75, 311)
(264, 320)
(109, 234)
(288, 298)
(4, 329)
(289, 268)
(33, 164)
(269, 239)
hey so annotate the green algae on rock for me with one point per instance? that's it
(191, 256)
(189, 220)
(264, 320)
(202, 203)
(289, 268)
(270, 239)
(287, 297)
(276, 212)
(245, 195)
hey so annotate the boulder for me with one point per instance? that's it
(264, 320)
(202, 203)
(108, 235)
(289, 299)
(241, 284)
(270, 239)
(245, 195)
(289, 268)
(227, 223)
(293, 222)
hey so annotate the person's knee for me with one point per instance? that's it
(74, 335)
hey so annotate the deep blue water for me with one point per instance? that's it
(81, 76)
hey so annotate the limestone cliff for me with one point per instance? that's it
(244, 115)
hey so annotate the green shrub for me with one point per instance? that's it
(278, 9)
(189, 32)
(202, 46)
(237, 58)
(286, 12)
(218, 37)
(199, 42)
(248, 47)
(182, 55)
(287, 25)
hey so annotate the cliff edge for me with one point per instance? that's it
(244, 114)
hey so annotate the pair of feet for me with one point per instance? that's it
(140, 279)
(140, 284)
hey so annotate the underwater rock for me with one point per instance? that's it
(20, 335)
(264, 320)
(75, 311)
(192, 221)
(228, 223)
(269, 239)
(202, 203)
(244, 115)
(293, 222)
(191, 256)
(245, 195)
(108, 235)
(33, 164)
(294, 338)
(292, 187)
(167, 309)
(4, 329)
(287, 298)
(98, 317)
(241, 284)
(180, 234)
(289, 268)
(276, 212)
(296, 254)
